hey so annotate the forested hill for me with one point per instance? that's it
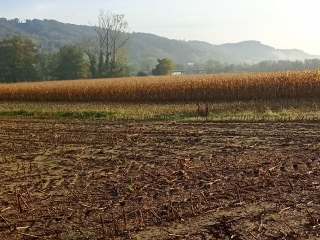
(50, 35)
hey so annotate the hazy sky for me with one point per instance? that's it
(278, 23)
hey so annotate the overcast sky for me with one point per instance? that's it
(283, 24)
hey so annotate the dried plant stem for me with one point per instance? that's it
(79, 230)
(154, 214)
(8, 224)
(28, 193)
(103, 227)
(30, 235)
(125, 220)
(115, 225)
(290, 185)
(205, 199)
(191, 205)
(141, 218)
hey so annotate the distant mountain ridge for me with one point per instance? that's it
(253, 50)
(49, 35)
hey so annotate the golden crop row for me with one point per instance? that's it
(185, 88)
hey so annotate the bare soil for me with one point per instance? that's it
(97, 179)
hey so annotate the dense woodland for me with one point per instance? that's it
(37, 50)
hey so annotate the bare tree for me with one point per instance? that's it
(112, 31)
(118, 34)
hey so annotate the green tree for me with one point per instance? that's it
(213, 67)
(142, 74)
(70, 63)
(119, 65)
(17, 60)
(179, 67)
(134, 68)
(297, 65)
(91, 49)
(148, 64)
(230, 68)
(46, 65)
(165, 67)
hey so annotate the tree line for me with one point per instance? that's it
(103, 57)
(211, 66)
(20, 62)
(106, 56)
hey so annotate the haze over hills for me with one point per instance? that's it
(252, 51)
(50, 35)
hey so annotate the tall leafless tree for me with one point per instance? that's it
(112, 31)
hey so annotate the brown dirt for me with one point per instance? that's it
(81, 179)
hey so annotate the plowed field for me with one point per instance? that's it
(97, 179)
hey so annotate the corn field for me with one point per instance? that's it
(186, 88)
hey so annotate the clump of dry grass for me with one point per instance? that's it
(203, 110)
(187, 88)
